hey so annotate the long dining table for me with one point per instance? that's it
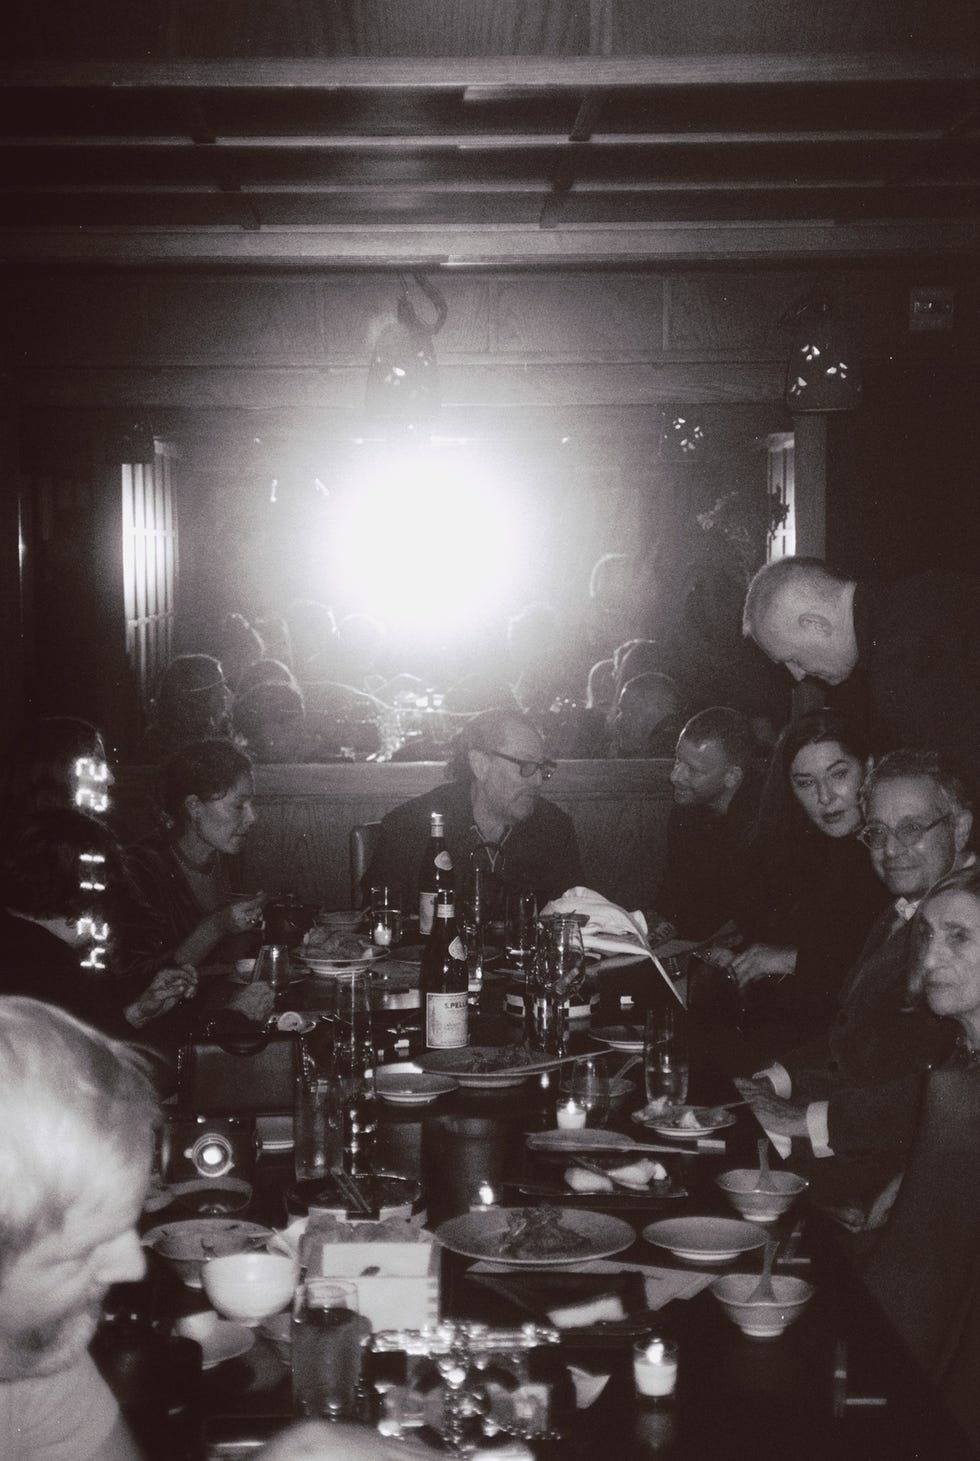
(837, 1383)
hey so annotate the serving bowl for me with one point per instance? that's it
(762, 1318)
(187, 1246)
(761, 1205)
(249, 1287)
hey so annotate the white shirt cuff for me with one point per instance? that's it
(778, 1077)
(817, 1129)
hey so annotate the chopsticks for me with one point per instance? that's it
(358, 1203)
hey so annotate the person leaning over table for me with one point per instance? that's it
(189, 914)
(916, 643)
(495, 818)
(825, 1096)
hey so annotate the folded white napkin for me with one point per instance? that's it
(610, 929)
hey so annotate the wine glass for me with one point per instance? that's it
(589, 1087)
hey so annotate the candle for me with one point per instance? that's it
(655, 1367)
(571, 1116)
(485, 1197)
(381, 934)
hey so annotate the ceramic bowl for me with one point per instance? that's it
(249, 1287)
(760, 1319)
(761, 1206)
(185, 1246)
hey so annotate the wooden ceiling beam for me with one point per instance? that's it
(507, 74)
(406, 246)
(472, 142)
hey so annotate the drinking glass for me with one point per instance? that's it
(317, 1127)
(326, 1358)
(564, 953)
(589, 1087)
(522, 912)
(665, 1055)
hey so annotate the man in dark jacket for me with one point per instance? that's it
(495, 819)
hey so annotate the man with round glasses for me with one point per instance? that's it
(495, 818)
(918, 822)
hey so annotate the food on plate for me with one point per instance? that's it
(634, 1174)
(539, 1232)
(488, 1059)
(684, 1118)
(606, 1309)
(331, 943)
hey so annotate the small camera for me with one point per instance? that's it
(207, 1146)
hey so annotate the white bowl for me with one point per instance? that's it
(250, 1286)
(762, 1320)
(765, 1205)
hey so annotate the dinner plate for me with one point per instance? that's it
(620, 1037)
(337, 966)
(479, 1235)
(458, 1064)
(669, 1123)
(401, 1086)
(704, 1239)
(226, 1341)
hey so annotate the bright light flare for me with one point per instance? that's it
(433, 546)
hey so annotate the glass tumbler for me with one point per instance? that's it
(326, 1350)
(665, 1056)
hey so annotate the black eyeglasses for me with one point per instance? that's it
(528, 768)
(908, 832)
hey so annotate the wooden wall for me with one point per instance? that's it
(300, 844)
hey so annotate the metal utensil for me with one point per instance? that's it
(764, 1180)
(614, 1141)
(764, 1293)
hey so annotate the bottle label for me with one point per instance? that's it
(427, 908)
(446, 1020)
(444, 861)
(457, 950)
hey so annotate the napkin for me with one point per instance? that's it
(610, 929)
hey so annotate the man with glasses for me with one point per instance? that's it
(834, 1094)
(495, 819)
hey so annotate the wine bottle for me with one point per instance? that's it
(443, 981)
(435, 872)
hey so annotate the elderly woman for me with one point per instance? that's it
(811, 894)
(182, 871)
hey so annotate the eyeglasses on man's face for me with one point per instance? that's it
(908, 832)
(528, 768)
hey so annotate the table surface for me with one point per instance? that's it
(837, 1383)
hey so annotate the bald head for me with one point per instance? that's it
(801, 615)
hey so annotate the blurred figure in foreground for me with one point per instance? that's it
(76, 1144)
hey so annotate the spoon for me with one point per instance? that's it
(764, 1179)
(764, 1293)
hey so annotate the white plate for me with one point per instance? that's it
(704, 1239)
(454, 1063)
(478, 1235)
(620, 1037)
(411, 1087)
(668, 1125)
(225, 1342)
(338, 966)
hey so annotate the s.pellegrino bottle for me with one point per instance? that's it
(435, 872)
(444, 980)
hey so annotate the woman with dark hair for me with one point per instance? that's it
(59, 913)
(809, 893)
(191, 705)
(182, 871)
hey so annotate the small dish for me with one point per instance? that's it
(704, 1239)
(212, 1196)
(186, 1246)
(761, 1205)
(700, 1121)
(620, 1037)
(762, 1318)
(408, 1086)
